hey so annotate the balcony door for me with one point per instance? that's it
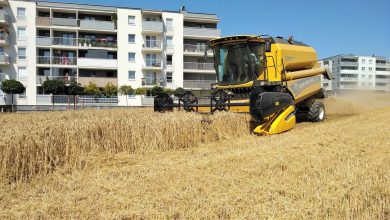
(68, 39)
(151, 41)
(151, 60)
(150, 78)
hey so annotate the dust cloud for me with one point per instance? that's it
(355, 102)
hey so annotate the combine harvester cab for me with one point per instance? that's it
(273, 79)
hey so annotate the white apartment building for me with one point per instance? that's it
(358, 73)
(88, 43)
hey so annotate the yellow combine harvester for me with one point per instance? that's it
(273, 79)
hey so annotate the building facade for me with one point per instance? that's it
(358, 73)
(99, 44)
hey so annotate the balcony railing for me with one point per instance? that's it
(71, 22)
(152, 44)
(4, 18)
(97, 25)
(349, 79)
(153, 63)
(153, 26)
(198, 66)
(64, 41)
(57, 60)
(66, 79)
(202, 32)
(99, 81)
(97, 62)
(349, 63)
(149, 81)
(43, 41)
(382, 80)
(193, 48)
(81, 42)
(4, 59)
(198, 84)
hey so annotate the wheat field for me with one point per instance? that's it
(137, 164)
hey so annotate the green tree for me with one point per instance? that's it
(12, 87)
(75, 89)
(179, 92)
(92, 89)
(126, 90)
(169, 91)
(140, 91)
(110, 90)
(157, 90)
(55, 87)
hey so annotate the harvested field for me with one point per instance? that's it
(187, 166)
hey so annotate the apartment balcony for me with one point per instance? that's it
(97, 25)
(99, 81)
(4, 18)
(169, 66)
(63, 41)
(198, 84)
(201, 33)
(97, 43)
(354, 64)
(382, 80)
(199, 67)
(349, 79)
(4, 59)
(196, 50)
(66, 79)
(67, 22)
(170, 49)
(153, 64)
(61, 61)
(153, 81)
(4, 39)
(44, 41)
(152, 27)
(147, 100)
(4, 76)
(152, 46)
(97, 63)
(43, 21)
(63, 22)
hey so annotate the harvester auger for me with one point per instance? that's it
(273, 79)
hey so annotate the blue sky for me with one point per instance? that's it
(360, 27)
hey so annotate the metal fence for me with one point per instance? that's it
(80, 101)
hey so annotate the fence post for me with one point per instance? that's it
(74, 102)
(68, 102)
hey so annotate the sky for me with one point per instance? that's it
(360, 27)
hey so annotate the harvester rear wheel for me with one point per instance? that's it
(316, 112)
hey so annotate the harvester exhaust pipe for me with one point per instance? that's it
(310, 72)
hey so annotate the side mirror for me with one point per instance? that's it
(267, 47)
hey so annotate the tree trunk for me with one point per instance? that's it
(12, 103)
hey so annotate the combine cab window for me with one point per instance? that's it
(238, 63)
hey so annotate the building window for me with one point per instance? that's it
(363, 68)
(131, 38)
(22, 53)
(370, 69)
(22, 34)
(370, 76)
(22, 73)
(131, 75)
(21, 14)
(169, 78)
(363, 60)
(131, 57)
(131, 19)
(169, 24)
(370, 61)
(169, 60)
(169, 42)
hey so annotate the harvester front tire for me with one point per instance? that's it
(316, 112)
